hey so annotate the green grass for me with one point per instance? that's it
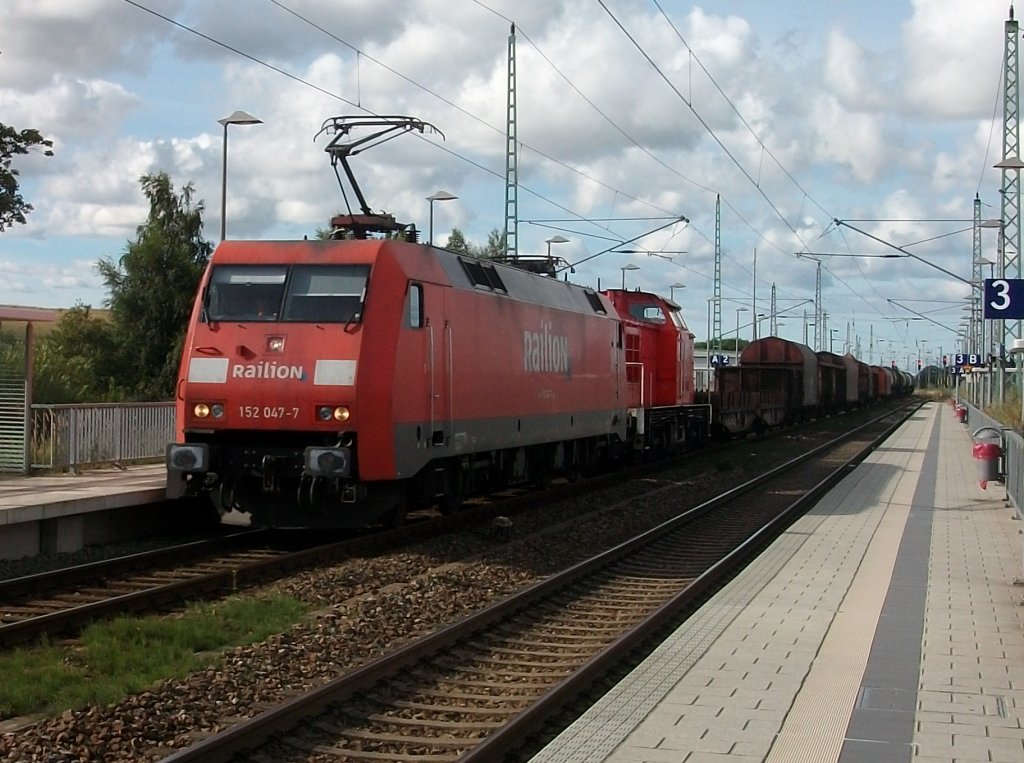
(113, 659)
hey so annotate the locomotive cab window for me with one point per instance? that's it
(415, 306)
(326, 293)
(246, 292)
(651, 313)
(307, 293)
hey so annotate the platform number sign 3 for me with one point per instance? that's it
(1004, 298)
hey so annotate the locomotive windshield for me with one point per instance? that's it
(651, 313)
(297, 293)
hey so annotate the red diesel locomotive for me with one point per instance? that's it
(341, 383)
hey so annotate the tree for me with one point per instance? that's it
(72, 361)
(457, 242)
(13, 207)
(152, 288)
(494, 248)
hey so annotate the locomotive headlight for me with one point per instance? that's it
(335, 413)
(275, 344)
(206, 410)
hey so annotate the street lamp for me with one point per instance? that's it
(556, 239)
(737, 345)
(672, 290)
(437, 196)
(237, 118)
(624, 268)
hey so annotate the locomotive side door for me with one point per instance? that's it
(439, 364)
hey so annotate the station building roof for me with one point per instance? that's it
(31, 314)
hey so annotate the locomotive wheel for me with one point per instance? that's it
(395, 518)
(452, 497)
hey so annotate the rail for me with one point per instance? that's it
(73, 436)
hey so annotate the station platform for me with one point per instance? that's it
(60, 513)
(885, 625)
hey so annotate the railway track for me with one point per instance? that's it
(61, 602)
(486, 686)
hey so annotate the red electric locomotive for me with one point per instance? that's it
(340, 382)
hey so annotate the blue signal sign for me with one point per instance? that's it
(968, 359)
(719, 360)
(1004, 298)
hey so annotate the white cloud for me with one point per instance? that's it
(856, 142)
(954, 56)
(86, 38)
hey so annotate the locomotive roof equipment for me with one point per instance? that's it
(342, 146)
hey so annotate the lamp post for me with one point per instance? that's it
(437, 196)
(556, 239)
(237, 118)
(736, 347)
(985, 337)
(624, 268)
(672, 290)
(1000, 262)
(708, 351)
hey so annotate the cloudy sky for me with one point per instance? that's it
(886, 114)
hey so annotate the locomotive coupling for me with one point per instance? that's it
(328, 462)
(188, 458)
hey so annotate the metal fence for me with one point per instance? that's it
(1011, 464)
(12, 421)
(69, 436)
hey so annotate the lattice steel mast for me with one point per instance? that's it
(716, 324)
(819, 311)
(975, 340)
(511, 158)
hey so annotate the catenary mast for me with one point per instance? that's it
(511, 158)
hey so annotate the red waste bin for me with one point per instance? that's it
(987, 454)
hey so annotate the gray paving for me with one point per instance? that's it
(884, 625)
(53, 513)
